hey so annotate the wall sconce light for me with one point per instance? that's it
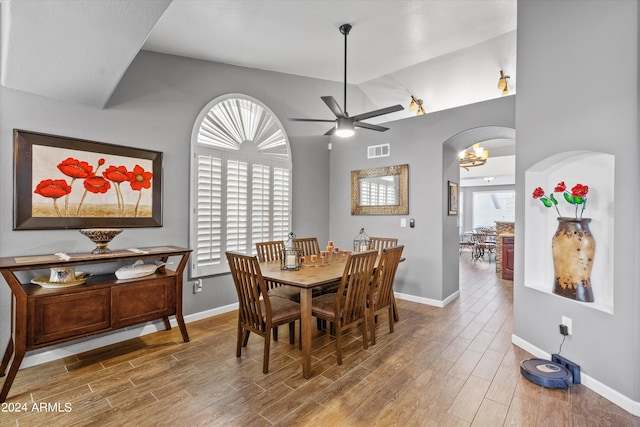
(503, 83)
(416, 105)
(477, 156)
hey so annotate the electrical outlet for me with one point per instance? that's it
(567, 322)
(197, 286)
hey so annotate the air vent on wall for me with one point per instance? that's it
(382, 150)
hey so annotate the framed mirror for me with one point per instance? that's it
(380, 191)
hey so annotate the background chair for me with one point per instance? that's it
(257, 312)
(269, 251)
(379, 243)
(348, 309)
(381, 293)
(308, 246)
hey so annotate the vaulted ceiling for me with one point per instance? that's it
(447, 52)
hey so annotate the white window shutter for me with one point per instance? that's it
(281, 203)
(260, 205)
(237, 206)
(208, 215)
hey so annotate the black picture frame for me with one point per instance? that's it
(69, 183)
(453, 198)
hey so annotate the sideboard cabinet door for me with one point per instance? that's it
(143, 301)
(72, 315)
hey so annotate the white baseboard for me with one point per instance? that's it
(603, 390)
(428, 301)
(65, 350)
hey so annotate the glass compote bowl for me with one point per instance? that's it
(101, 237)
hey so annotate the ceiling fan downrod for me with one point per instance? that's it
(345, 29)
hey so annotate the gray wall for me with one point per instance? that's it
(431, 248)
(571, 56)
(155, 107)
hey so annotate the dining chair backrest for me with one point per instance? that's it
(308, 246)
(270, 251)
(382, 291)
(251, 288)
(379, 243)
(356, 279)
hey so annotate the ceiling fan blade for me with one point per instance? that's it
(379, 112)
(333, 106)
(313, 120)
(331, 131)
(370, 126)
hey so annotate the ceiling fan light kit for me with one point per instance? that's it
(344, 124)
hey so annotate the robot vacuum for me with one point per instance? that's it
(546, 373)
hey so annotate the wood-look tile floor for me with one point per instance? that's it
(452, 366)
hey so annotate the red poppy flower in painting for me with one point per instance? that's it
(140, 178)
(96, 184)
(117, 174)
(75, 168)
(53, 188)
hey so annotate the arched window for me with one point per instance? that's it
(241, 181)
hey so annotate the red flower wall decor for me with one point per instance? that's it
(577, 197)
(92, 178)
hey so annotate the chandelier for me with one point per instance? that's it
(476, 156)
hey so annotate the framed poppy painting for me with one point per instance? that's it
(63, 182)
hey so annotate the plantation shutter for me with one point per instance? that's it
(208, 215)
(237, 206)
(281, 203)
(260, 204)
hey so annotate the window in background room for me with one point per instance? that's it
(241, 181)
(492, 206)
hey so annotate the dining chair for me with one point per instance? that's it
(379, 243)
(381, 292)
(272, 251)
(308, 246)
(257, 311)
(348, 308)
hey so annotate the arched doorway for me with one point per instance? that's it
(452, 172)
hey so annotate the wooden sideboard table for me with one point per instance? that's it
(41, 317)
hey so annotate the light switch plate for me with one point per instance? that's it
(403, 222)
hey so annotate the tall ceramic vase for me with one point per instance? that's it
(573, 250)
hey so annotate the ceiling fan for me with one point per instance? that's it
(344, 124)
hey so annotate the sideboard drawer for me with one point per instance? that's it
(73, 315)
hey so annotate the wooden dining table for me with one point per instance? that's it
(308, 277)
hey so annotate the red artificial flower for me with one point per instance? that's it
(116, 174)
(139, 178)
(96, 184)
(560, 187)
(538, 192)
(580, 190)
(75, 168)
(54, 188)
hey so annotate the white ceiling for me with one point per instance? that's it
(447, 52)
